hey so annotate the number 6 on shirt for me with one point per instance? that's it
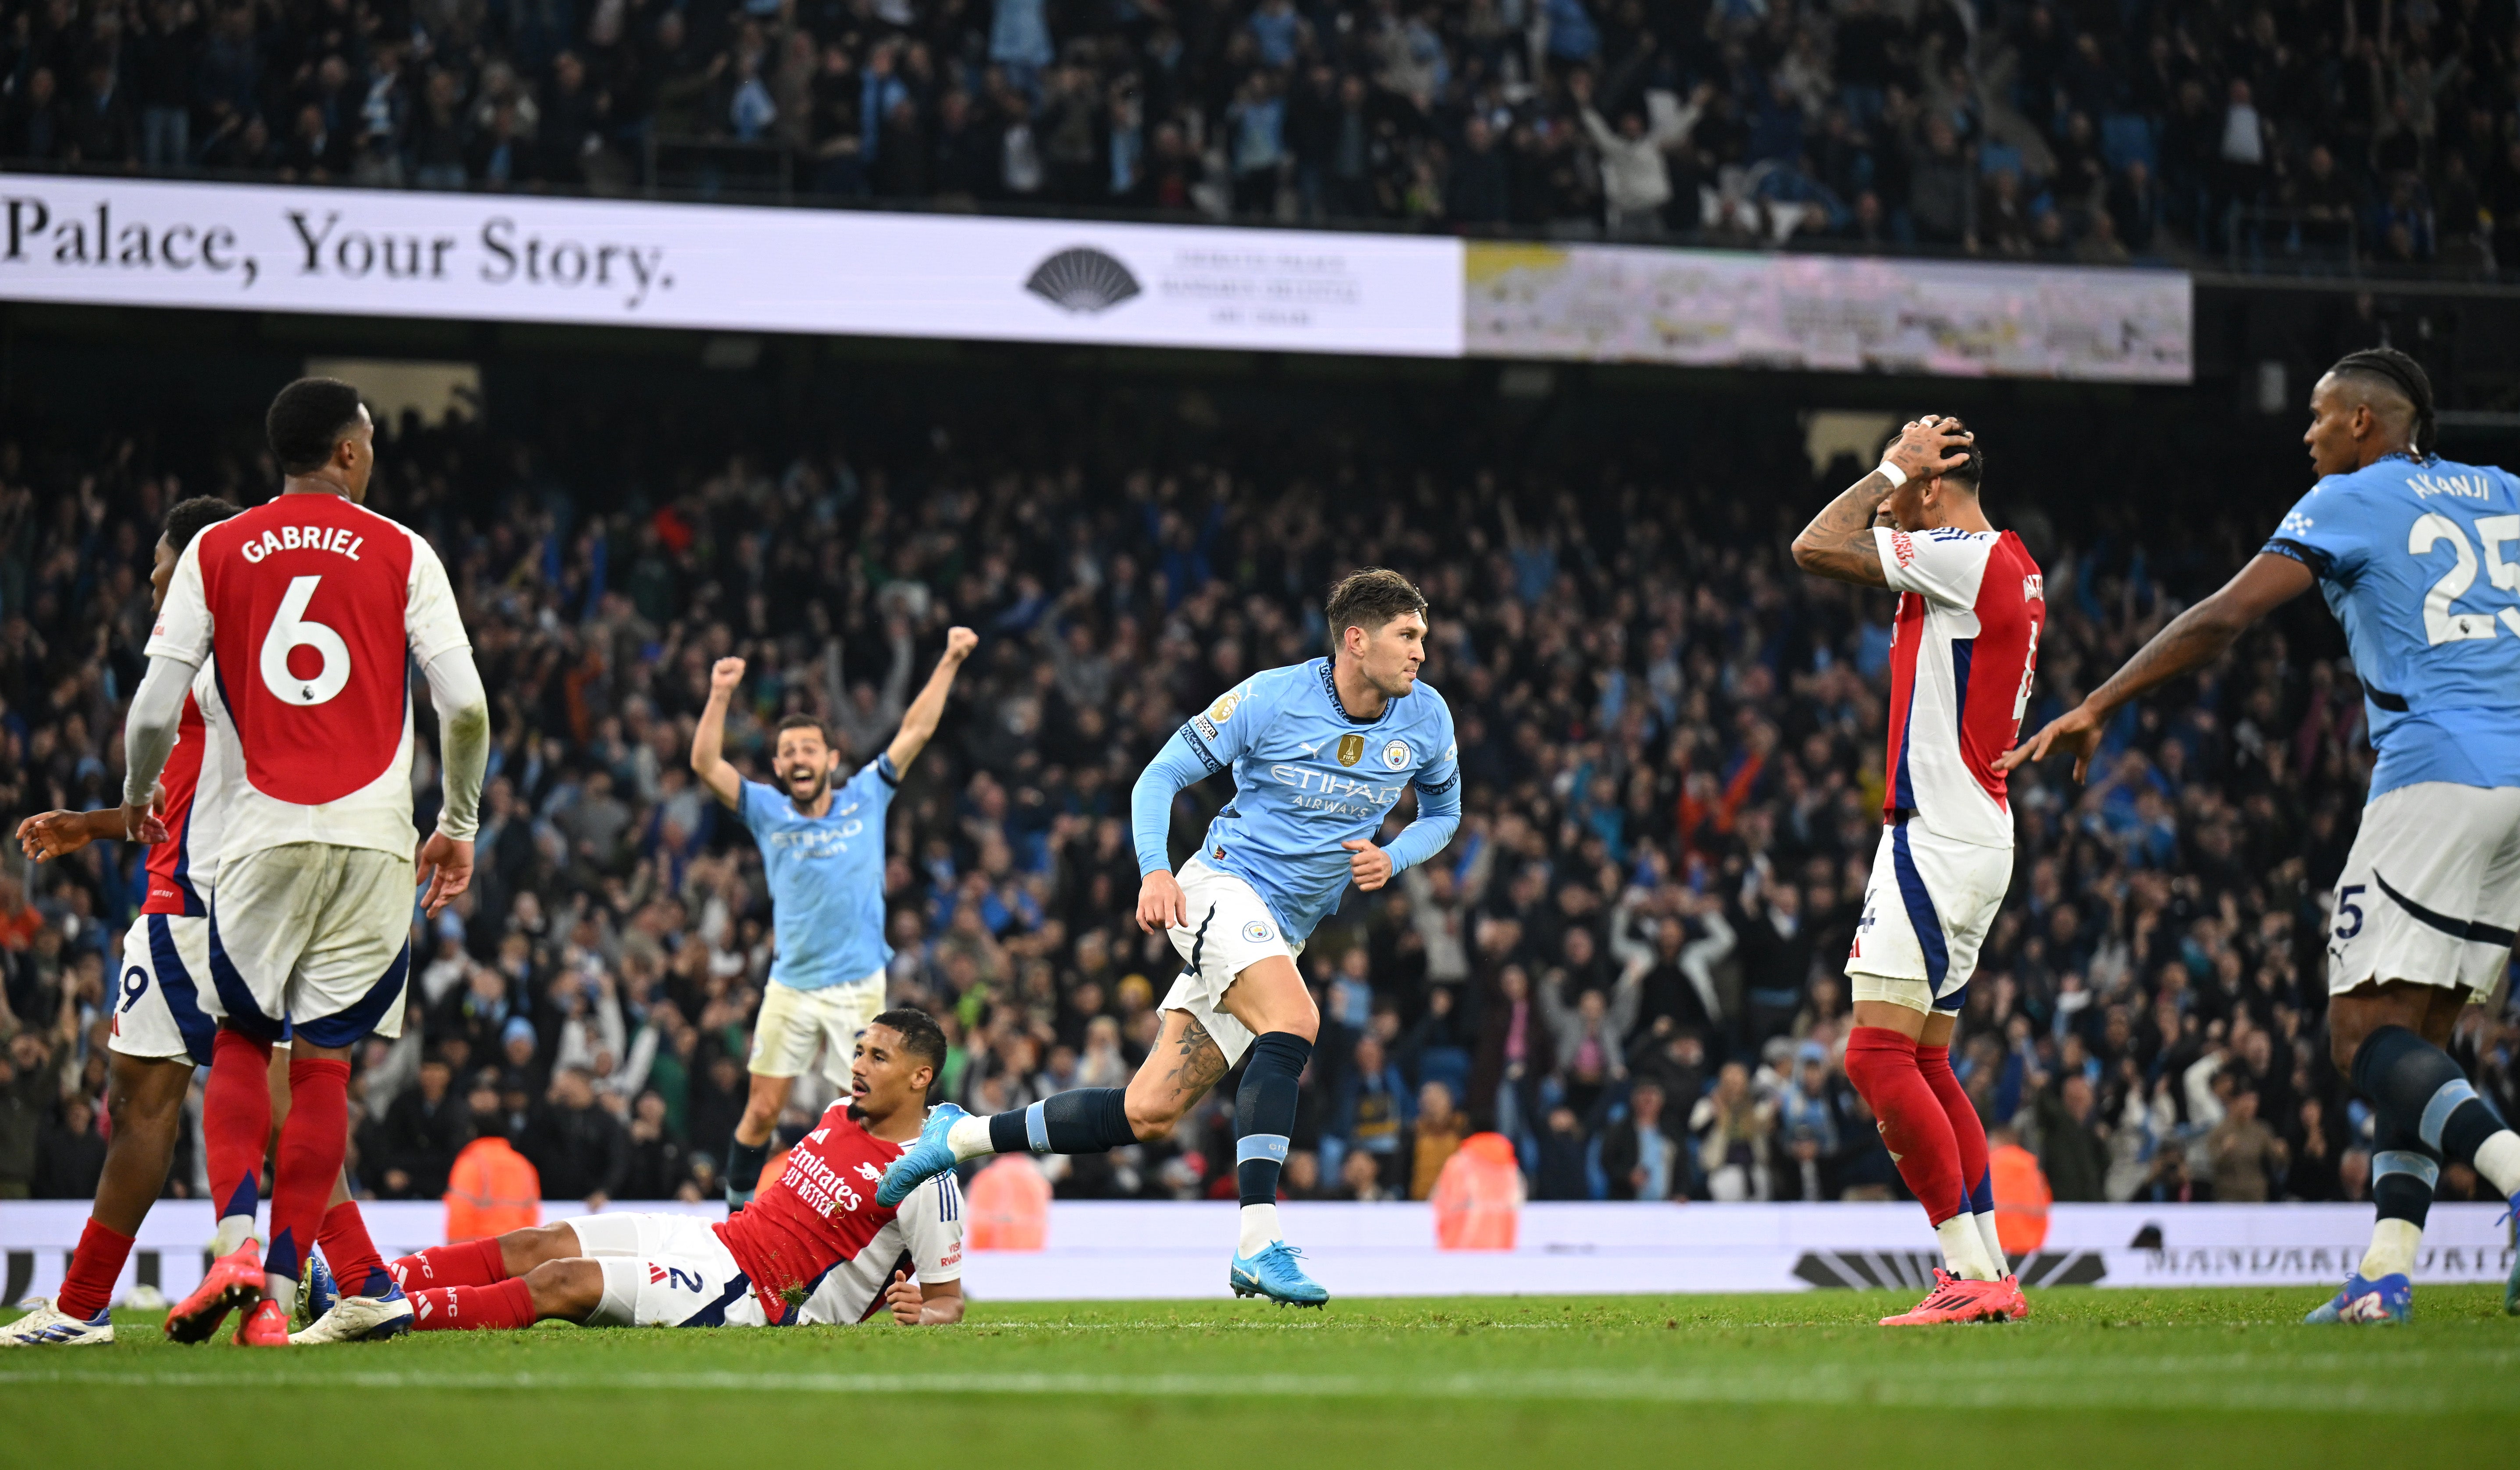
(290, 629)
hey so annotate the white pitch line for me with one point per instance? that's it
(1940, 1385)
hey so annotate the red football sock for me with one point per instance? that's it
(96, 1263)
(1882, 1065)
(312, 1143)
(236, 1120)
(1968, 1130)
(349, 1252)
(465, 1263)
(483, 1309)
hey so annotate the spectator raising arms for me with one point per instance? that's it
(1670, 778)
(2305, 135)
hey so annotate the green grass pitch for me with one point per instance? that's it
(2117, 1378)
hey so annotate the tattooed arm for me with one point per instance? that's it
(1839, 543)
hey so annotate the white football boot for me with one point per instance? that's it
(47, 1327)
(358, 1320)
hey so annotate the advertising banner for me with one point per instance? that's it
(1827, 313)
(1099, 1250)
(594, 262)
(633, 264)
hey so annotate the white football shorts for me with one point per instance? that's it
(666, 1271)
(1927, 908)
(165, 1004)
(2431, 890)
(1229, 930)
(316, 936)
(794, 1024)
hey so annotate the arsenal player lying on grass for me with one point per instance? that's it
(812, 1246)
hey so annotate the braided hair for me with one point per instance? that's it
(2408, 376)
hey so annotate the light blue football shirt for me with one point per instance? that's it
(826, 877)
(2420, 563)
(1307, 778)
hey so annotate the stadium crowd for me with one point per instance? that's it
(2308, 131)
(1626, 962)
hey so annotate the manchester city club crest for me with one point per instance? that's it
(1257, 932)
(1395, 755)
(1351, 749)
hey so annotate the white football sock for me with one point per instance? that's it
(2499, 1159)
(281, 1289)
(2393, 1249)
(1965, 1250)
(1259, 1230)
(1993, 1245)
(969, 1138)
(234, 1232)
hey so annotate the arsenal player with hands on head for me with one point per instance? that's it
(1963, 648)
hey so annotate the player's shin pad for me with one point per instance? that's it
(1081, 1120)
(1264, 1113)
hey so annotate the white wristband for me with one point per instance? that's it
(1891, 473)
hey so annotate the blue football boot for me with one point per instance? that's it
(322, 1291)
(2391, 1299)
(1274, 1273)
(923, 1160)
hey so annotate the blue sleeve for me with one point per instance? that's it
(876, 780)
(1444, 773)
(2323, 533)
(1182, 763)
(1208, 742)
(1439, 815)
(1219, 733)
(1439, 807)
(748, 798)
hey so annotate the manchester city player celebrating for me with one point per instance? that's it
(821, 850)
(2395, 538)
(1320, 752)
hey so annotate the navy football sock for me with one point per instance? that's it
(2403, 1172)
(1264, 1113)
(743, 1163)
(1081, 1120)
(2418, 1090)
(2401, 1183)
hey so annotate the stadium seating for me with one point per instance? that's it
(1662, 722)
(2143, 130)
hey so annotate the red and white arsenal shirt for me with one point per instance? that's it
(1963, 650)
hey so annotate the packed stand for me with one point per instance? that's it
(1628, 962)
(2295, 133)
